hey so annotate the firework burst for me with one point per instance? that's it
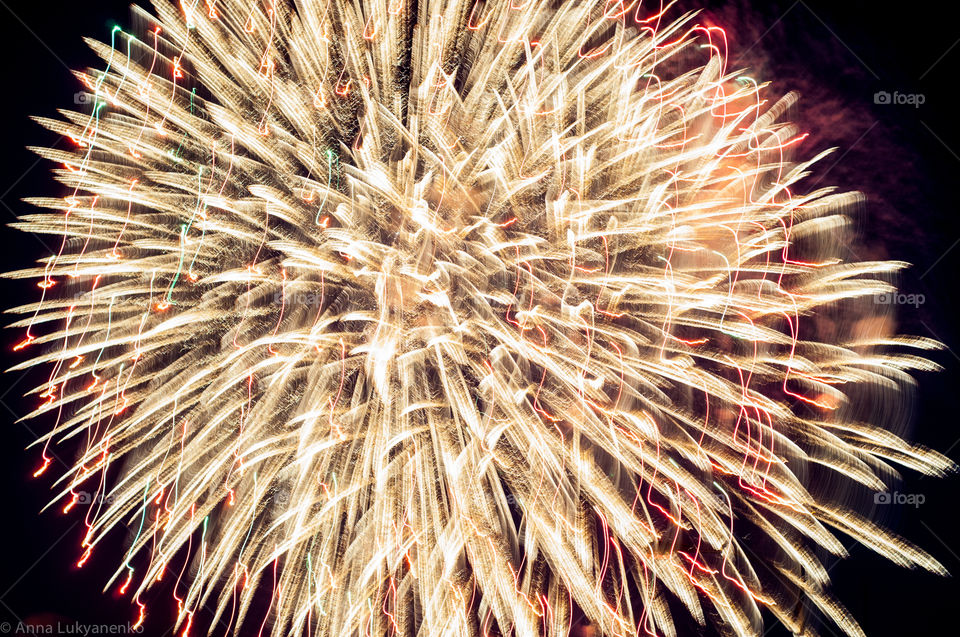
(459, 317)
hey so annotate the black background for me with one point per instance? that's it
(837, 54)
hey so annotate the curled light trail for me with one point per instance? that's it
(459, 317)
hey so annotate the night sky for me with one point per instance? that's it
(838, 55)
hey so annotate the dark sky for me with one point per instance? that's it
(838, 54)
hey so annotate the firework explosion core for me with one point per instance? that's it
(459, 317)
